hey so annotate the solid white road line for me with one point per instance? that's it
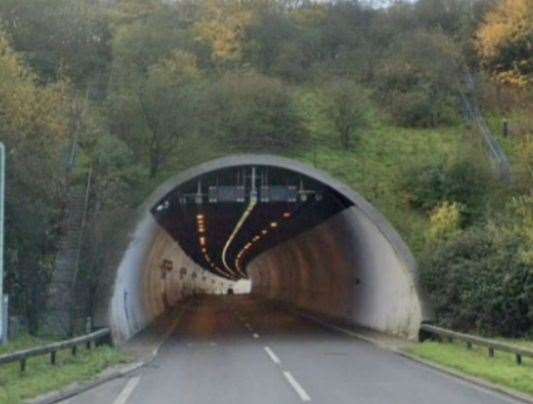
(256, 335)
(126, 392)
(272, 355)
(297, 387)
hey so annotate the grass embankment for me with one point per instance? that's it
(518, 143)
(501, 370)
(41, 377)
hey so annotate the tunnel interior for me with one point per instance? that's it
(226, 218)
(296, 234)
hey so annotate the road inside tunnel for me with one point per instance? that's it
(298, 235)
(240, 349)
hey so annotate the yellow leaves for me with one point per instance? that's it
(505, 42)
(224, 28)
(178, 69)
(445, 221)
(26, 109)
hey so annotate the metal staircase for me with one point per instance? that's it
(61, 300)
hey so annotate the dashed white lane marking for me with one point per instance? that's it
(126, 392)
(256, 336)
(297, 387)
(272, 355)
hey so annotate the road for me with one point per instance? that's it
(233, 349)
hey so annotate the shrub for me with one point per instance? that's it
(252, 111)
(417, 93)
(346, 106)
(445, 222)
(428, 186)
(479, 282)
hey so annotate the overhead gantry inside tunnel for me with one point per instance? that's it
(300, 237)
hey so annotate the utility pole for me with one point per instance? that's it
(3, 299)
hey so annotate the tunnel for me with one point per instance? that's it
(300, 237)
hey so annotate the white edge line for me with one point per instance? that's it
(297, 387)
(272, 355)
(126, 392)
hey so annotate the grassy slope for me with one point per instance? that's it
(516, 143)
(374, 165)
(41, 377)
(501, 370)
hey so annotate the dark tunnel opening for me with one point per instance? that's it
(226, 218)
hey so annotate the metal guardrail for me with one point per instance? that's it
(491, 344)
(89, 340)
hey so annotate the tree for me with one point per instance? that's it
(61, 38)
(151, 112)
(505, 42)
(253, 112)
(346, 105)
(415, 91)
(223, 28)
(35, 129)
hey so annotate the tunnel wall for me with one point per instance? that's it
(147, 285)
(344, 269)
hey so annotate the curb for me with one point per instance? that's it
(435, 366)
(77, 388)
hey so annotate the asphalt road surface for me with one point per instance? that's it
(233, 350)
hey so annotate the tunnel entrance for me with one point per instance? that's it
(300, 237)
(225, 218)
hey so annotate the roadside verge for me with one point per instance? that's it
(404, 348)
(143, 348)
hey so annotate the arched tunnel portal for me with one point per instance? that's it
(300, 236)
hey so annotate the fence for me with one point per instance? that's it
(496, 153)
(89, 340)
(491, 344)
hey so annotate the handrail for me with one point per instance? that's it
(21, 356)
(472, 339)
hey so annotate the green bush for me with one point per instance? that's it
(420, 108)
(415, 92)
(250, 111)
(461, 181)
(482, 280)
(445, 222)
(346, 105)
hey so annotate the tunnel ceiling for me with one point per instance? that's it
(225, 218)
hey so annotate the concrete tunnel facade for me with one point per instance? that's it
(352, 268)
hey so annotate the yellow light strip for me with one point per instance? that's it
(273, 225)
(240, 223)
(201, 228)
